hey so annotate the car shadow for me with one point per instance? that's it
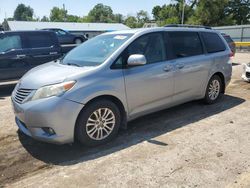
(6, 90)
(142, 129)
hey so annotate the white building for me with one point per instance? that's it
(92, 29)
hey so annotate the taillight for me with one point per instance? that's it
(231, 54)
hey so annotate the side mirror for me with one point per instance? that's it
(136, 60)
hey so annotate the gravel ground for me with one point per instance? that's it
(191, 145)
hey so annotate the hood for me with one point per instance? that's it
(50, 73)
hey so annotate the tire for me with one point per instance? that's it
(78, 41)
(214, 90)
(88, 126)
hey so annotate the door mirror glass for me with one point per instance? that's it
(136, 60)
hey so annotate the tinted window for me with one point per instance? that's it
(9, 42)
(213, 42)
(60, 32)
(185, 44)
(149, 45)
(40, 40)
(228, 38)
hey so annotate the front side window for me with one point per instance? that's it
(10, 42)
(39, 40)
(95, 51)
(149, 45)
(60, 32)
(185, 44)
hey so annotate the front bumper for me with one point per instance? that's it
(55, 112)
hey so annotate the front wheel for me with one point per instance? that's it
(213, 91)
(98, 123)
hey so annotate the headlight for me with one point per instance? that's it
(53, 90)
(248, 64)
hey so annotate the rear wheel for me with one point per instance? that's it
(78, 41)
(213, 91)
(98, 123)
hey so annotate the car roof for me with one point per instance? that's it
(28, 31)
(51, 29)
(155, 29)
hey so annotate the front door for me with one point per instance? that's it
(41, 48)
(148, 87)
(13, 58)
(38, 56)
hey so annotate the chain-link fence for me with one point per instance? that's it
(240, 34)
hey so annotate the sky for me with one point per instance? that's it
(79, 7)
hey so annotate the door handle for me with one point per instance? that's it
(21, 56)
(53, 53)
(167, 68)
(180, 65)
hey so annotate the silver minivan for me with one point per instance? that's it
(115, 77)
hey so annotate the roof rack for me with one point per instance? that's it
(189, 26)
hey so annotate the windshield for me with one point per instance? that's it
(95, 51)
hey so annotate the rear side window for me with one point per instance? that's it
(228, 38)
(40, 40)
(185, 44)
(213, 42)
(10, 42)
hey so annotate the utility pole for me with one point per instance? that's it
(64, 10)
(183, 12)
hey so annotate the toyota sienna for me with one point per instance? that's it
(115, 77)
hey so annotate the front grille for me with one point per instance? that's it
(248, 74)
(21, 94)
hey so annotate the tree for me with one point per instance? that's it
(73, 18)
(101, 13)
(118, 18)
(23, 13)
(172, 13)
(142, 18)
(131, 22)
(211, 13)
(1, 27)
(156, 12)
(240, 11)
(58, 14)
(45, 19)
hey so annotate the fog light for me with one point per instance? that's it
(48, 131)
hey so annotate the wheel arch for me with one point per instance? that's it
(113, 99)
(222, 77)
(77, 37)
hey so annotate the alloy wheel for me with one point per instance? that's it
(214, 89)
(100, 124)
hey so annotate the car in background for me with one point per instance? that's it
(20, 51)
(116, 77)
(246, 72)
(230, 42)
(66, 37)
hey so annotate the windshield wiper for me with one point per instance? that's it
(73, 64)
